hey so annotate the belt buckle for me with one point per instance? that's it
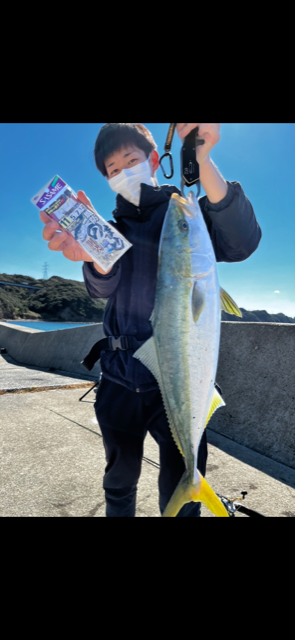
(118, 343)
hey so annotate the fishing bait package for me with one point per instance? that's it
(97, 237)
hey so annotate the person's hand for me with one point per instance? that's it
(208, 132)
(59, 240)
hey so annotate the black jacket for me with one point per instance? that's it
(130, 286)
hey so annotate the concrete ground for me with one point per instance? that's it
(15, 377)
(52, 457)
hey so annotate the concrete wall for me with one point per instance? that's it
(63, 350)
(256, 373)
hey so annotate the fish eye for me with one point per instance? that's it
(183, 225)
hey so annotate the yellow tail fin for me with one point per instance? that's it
(187, 492)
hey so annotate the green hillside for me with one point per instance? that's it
(59, 299)
(68, 300)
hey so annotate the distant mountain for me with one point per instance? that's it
(68, 300)
(258, 316)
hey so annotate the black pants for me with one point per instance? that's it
(124, 418)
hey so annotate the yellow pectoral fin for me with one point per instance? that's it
(228, 304)
(215, 404)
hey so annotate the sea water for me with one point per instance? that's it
(49, 326)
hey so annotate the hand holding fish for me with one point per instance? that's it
(213, 183)
(210, 132)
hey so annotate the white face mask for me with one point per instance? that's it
(128, 182)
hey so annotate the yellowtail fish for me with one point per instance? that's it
(183, 352)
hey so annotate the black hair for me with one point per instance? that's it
(115, 136)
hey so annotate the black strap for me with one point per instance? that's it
(170, 136)
(123, 343)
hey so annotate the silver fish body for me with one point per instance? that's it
(183, 352)
(186, 323)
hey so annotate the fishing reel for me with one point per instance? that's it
(236, 505)
(190, 170)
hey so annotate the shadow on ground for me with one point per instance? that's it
(252, 458)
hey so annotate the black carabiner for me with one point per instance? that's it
(167, 155)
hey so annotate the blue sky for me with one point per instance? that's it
(259, 156)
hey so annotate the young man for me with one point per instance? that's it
(128, 401)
